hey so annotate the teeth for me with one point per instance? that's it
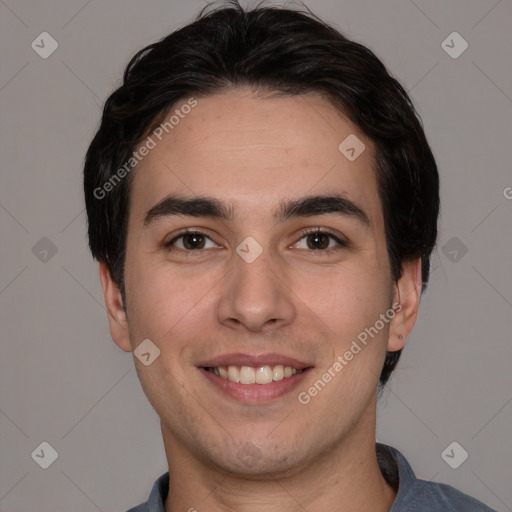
(278, 373)
(233, 374)
(247, 375)
(250, 375)
(264, 375)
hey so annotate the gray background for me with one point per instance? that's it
(64, 381)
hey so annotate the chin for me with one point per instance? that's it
(262, 461)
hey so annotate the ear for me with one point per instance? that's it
(116, 313)
(406, 302)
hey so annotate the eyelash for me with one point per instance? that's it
(341, 243)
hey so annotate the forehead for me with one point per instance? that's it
(252, 150)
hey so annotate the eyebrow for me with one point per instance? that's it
(205, 206)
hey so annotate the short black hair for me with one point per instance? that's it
(280, 50)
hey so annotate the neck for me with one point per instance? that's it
(347, 479)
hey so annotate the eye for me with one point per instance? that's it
(320, 241)
(191, 241)
(317, 240)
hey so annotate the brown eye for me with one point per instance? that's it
(190, 241)
(193, 241)
(320, 241)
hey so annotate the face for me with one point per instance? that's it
(269, 280)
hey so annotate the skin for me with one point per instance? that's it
(251, 151)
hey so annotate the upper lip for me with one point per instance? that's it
(240, 359)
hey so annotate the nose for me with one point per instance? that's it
(255, 296)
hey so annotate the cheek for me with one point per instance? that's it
(163, 301)
(157, 301)
(346, 300)
(351, 305)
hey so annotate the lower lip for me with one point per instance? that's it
(256, 393)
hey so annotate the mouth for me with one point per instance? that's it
(254, 378)
(254, 375)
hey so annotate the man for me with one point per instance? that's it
(263, 203)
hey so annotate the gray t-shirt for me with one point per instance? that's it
(413, 495)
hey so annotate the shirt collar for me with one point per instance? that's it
(158, 495)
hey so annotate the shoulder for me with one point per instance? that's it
(157, 497)
(422, 495)
(415, 495)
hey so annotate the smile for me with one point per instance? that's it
(254, 375)
(254, 378)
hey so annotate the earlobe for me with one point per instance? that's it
(407, 297)
(115, 309)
